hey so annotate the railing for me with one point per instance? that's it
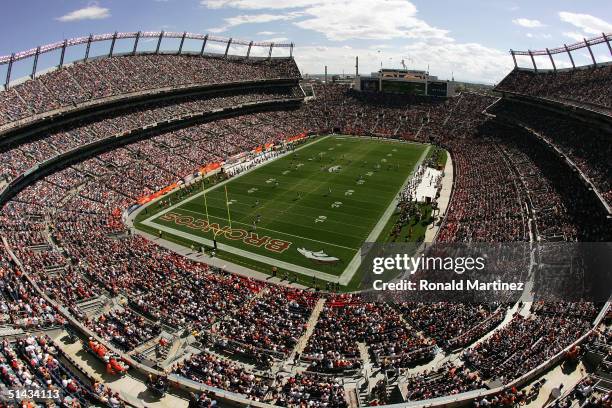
(603, 38)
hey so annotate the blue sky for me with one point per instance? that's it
(469, 39)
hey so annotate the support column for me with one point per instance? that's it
(249, 50)
(590, 52)
(514, 58)
(270, 52)
(159, 40)
(182, 42)
(61, 62)
(35, 63)
(8, 71)
(136, 43)
(607, 42)
(291, 50)
(535, 67)
(204, 44)
(88, 47)
(229, 42)
(551, 60)
(112, 47)
(570, 56)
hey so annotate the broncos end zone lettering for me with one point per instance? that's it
(235, 234)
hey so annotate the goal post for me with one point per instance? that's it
(229, 218)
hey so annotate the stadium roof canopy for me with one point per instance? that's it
(603, 38)
(136, 35)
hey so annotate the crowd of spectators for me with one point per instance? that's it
(221, 373)
(36, 363)
(20, 303)
(587, 147)
(564, 207)
(273, 321)
(523, 344)
(82, 82)
(198, 298)
(124, 328)
(454, 327)
(17, 160)
(339, 108)
(587, 86)
(499, 173)
(347, 320)
(312, 390)
(449, 379)
(487, 205)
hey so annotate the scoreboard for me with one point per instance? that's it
(437, 88)
(404, 87)
(369, 84)
(406, 82)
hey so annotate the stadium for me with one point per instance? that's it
(187, 228)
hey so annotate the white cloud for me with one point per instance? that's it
(93, 12)
(589, 24)
(341, 20)
(468, 62)
(527, 23)
(574, 35)
(416, 41)
(267, 33)
(258, 4)
(276, 40)
(538, 35)
(368, 19)
(253, 19)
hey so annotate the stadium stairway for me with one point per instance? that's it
(363, 390)
(352, 397)
(310, 326)
(371, 375)
(93, 307)
(9, 330)
(173, 351)
(40, 248)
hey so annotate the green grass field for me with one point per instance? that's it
(329, 195)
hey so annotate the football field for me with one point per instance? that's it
(307, 211)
